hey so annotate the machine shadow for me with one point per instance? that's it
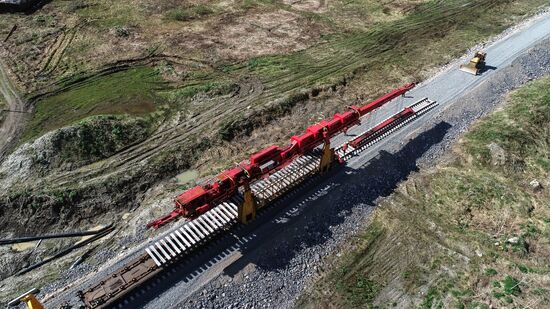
(378, 178)
(294, 224)
(487, 68)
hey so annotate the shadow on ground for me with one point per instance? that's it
(487, 68)
(26, 6)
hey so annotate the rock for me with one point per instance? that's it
(535, 185)
(498, 155)
(479, 253)
(513, 240)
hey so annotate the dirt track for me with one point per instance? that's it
(14, 121)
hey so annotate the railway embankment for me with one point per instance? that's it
(291, 251)
(208, 120)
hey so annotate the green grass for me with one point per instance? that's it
(131, 92)
(186, 92)
(393, 52)
(511, 286)
(432, 299)
(420, 237)
(518, 131)
(190, 12)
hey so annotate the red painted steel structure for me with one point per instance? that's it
(200, 199)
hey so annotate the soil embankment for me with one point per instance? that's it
(323, 222)
(116, 184)
(218, 113)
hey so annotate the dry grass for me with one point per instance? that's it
(213, 32)
(443, 239)
(3, 105)
(289, 48)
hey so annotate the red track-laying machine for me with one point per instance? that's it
(200, 199)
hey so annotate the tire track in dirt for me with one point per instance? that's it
(12, 126)
(167, 140)
(57, 50)
(358, 51)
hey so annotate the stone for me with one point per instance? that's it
(513, 240)
(535, 184)
(498, 155)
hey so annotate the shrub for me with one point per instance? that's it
(511, 286)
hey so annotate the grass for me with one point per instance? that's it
(426, 236)
(2, 101)
(103, 15)
(390, 51)
(190, 12)
(131, 92)
(357, 285)
(3, 105)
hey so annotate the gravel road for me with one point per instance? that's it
(269, 262)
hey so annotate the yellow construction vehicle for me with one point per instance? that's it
(476, 64)
(27, 298)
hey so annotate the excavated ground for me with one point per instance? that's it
(44, 181)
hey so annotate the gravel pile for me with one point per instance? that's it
(294, 258)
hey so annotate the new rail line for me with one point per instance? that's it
(241, 205)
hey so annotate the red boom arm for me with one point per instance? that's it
(200, 199)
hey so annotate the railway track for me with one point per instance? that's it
(184, 239)
(370, 137)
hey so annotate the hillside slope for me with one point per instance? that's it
(473, 232)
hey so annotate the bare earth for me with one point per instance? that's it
(14, 121)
